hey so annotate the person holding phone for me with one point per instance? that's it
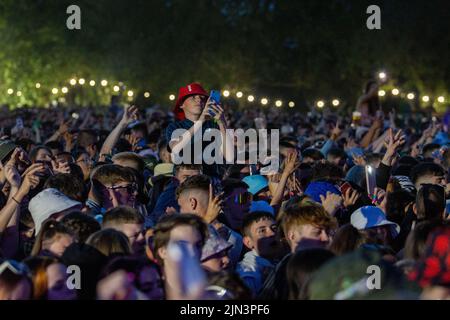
(195, 110)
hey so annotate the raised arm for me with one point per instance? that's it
(129, 114)
(290, 166)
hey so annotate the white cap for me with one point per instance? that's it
(48, 202)
(370, 217)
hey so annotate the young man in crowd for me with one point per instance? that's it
(196, 113)
(111, 186)
(236, 203)
(188, 228)
(129, 160)
(130, 222)
(167, 199)
(259, 229)
(428, 173)
(308, 226)
(195, 195)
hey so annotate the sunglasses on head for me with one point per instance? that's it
(129, 187)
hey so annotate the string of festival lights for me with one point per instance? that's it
(263, 100)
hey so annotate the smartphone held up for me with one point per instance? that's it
(371, 182)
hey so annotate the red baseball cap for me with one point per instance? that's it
(184, 92)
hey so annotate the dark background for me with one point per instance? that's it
(298, 49)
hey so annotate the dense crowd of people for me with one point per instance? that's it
(92, 205)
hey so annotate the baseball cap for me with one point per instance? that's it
(162, 170)
(318, 188)
(48, 202)
(185, 92)
(261, 206)
(369, 217)
(255, 183)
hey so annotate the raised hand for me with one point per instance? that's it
(129, 114)
(393, 143)
(291, 164)
(350, 197)
(14, 157)
(214, 206)
(170, 211)
(133, 140)
(64, 127)
(60, 167)
(331, 202)
(30, 180)
(70, 139)
(12, 176)
(336, 131)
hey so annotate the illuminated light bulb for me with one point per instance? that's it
(410, 96)
(250, 98)
(10, 91)
(226, 93)
(335, 102)
(55, 90)
(130, 93)
(147, 94)
(395, 91)
(64, 90)
(441, 99)
(104, 83)
(73, 82)
(92, 83)
(172, 97)
(291, 104)
(320, 104)
(381, 93)
(81, 81)
(239, 94)
(116, 88)
(382, 75)
(425, 98)
(264, 101)
(38, 85)
(278, 103)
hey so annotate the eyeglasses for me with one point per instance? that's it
(17, 268)
(131, 188)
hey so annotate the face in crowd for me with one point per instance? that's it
(187, 234)
(122, 193)
(194, 104)
(261, 238)
(308, 235)
(236, 205)
(183, 174)
(58, 289)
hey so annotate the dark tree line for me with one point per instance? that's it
(293, 48)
